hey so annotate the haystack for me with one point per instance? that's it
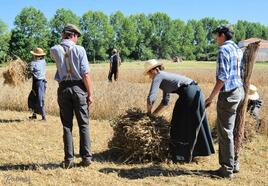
(16, 72)
(140, 138)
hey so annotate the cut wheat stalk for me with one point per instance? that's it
(249, 58)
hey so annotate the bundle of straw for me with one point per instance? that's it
(249, 58)
(16, 72)
(140, 138)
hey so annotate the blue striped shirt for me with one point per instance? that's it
(38, 69)
(229, 66)
(78, 61)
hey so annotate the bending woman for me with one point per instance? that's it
(189, 134)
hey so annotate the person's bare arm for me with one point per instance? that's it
(159, 109)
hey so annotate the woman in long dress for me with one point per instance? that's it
(189, 134)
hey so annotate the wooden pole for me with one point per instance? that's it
(249, 58)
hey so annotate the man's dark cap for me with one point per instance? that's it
(71, 29)
(223, 29)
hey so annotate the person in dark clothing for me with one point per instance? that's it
(254, 104)
(36, 99)
(190, 133)
(115, 62)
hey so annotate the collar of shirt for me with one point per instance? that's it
(228, 42)
(67, 42)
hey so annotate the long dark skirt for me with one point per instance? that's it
(36, 99)
(187, 114)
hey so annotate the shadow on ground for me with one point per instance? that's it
(155, 170)
(110, 155)
(32, 166)
(2, 121)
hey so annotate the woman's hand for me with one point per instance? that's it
(208, 102)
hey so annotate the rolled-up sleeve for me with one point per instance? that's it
(84, 62)
(166, 98)
(223, 71)
(153, 91)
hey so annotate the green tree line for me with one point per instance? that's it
(137, 37)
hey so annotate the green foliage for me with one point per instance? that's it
(125, 37)
(3, 27)
(31, 31)
(143, 31)
(137, 37)
(97, 34)
(4, 40)
(161, 35)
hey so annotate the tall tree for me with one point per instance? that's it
(124, 34)
(143, 27)
(177, 27)
(4, 40)
(161, 41)
(61, 18)
(31, 31)
(97, 35)
(240, 31)
(187, 47)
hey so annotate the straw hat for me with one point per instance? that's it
(149, 65)
(38, 52)
(252, 93)
(114, 51)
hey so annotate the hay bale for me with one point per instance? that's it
(140, 138)
(16, 72)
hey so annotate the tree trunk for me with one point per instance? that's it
(249, 60)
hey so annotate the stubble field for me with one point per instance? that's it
(31, 151)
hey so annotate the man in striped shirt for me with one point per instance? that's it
(229, 85)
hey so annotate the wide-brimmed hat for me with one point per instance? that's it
(252, 93)
(70, 28)
(149, 65)
(38, 52)
(114, 51)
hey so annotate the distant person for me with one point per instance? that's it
(190, 133)
(75, 93)
(254, 104)
(229, 86)
(36, 99)
(115, 62)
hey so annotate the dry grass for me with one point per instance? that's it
(112, 99)
(31, 153)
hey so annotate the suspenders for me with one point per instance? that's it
(67, 61)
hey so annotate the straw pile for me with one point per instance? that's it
(140, 138)
(16, 72)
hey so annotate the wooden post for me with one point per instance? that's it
(249, 58)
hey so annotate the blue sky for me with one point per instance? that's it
(231, 10)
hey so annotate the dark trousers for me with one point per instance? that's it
(72, 99)
(113, 72)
